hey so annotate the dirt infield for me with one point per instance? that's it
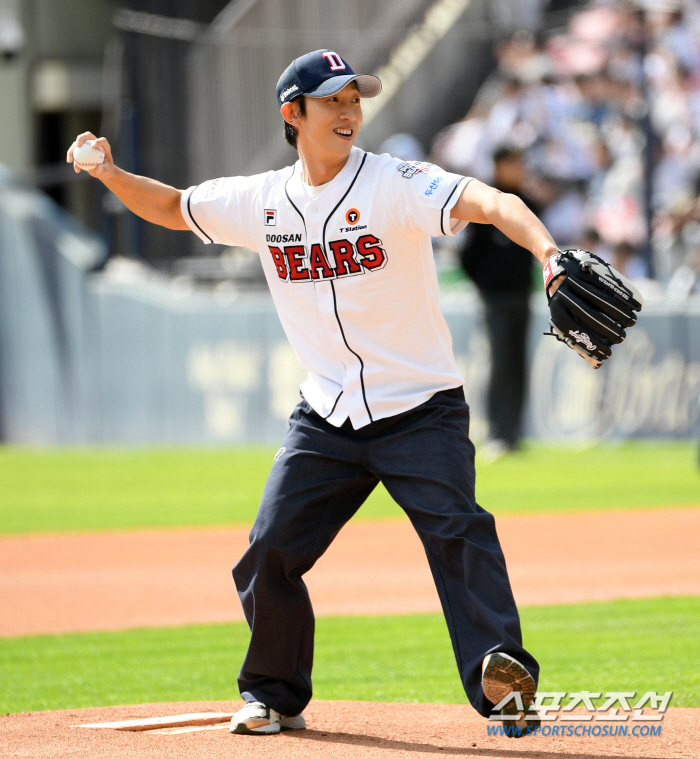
(108, 581)
(337, 730)
(111, 581)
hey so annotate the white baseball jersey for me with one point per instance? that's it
(352, 275)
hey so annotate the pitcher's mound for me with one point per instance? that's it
(337, 730)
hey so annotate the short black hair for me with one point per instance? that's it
(290, 133)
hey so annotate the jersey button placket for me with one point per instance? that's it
(324, 292)
(327, 301)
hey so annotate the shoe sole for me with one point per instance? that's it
(503, 675)
(242, 729)
(286, 723)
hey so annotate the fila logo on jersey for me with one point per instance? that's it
(270, 217)
(336, 62)
(352, 216)
(294, 263)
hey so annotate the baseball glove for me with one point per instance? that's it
(592, 306)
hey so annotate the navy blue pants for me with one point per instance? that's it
(321, 477)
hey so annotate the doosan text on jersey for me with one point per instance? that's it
(352, 275)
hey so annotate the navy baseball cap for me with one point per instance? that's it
(320, 74)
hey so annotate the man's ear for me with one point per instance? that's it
(291, 114)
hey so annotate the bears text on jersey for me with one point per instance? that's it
(295, 263)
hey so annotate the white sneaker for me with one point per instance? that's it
(257, 719)
(293, 723)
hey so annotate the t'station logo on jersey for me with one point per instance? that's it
(270, 217)
(294, 263)
(352, 216)
(409, 169)
(335, 61)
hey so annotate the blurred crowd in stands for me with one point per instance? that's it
(593, 111)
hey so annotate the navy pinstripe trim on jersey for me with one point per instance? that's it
(335, 302)
(328, 218)
(442, 210)
(334, 405)
(194, 221)
(303, 220)
(357, 355)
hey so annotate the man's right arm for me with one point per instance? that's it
(153, 201)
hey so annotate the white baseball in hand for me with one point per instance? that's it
(87, 157)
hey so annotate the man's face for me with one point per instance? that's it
(331, 123)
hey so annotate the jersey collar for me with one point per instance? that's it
(332, 192)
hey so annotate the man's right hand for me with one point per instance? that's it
(98, 142)
(151, 200)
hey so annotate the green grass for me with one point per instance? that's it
(103, 489)
(604, 477)
(638, 645)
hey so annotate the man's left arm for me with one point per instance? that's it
(481, 204)
(590, 303)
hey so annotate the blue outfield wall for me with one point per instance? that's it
(123, 358)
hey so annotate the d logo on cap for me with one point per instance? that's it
(335, 61)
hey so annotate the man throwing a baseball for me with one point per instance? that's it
(344, 239)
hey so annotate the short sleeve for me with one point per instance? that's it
(221, 210)
(428, 194)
